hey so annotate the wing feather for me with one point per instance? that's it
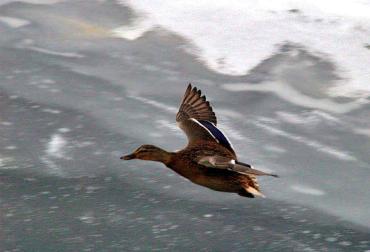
(197, 119)
(194, 105)
(219, 162)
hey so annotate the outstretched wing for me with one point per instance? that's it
(197, 119)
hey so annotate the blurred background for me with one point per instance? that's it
(83, 82)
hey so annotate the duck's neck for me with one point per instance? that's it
(162, 156)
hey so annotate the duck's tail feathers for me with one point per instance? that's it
(254, 191)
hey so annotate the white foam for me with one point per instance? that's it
(275, 149)
(6, 162)
(55, 147)
(55, 53)
(87, 218)
(3, 2)
(156, 104)
(365, 132)
(164, 124)
(234, 36)
(64, 130)
(310, 117)
(292, 95)
(229, 113)
(14, 22)
(326, 116)
(291, 118)
(55, 150)
(133, 31)
(51, 111)
(228, 130)
(207, 215)
(339, 154)
(307, 190)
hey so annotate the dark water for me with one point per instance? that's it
(73, 99)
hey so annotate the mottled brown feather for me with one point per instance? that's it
(184, 162)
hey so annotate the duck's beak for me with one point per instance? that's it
(128, 157)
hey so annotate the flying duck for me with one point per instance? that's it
(209, 158)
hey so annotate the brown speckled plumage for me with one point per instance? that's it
(209, 159)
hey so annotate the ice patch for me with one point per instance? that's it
(14, 22)
(292, 95)
(251, 30)
(307, 190)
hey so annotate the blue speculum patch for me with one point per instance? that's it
(217, 134)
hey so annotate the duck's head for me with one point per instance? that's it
(146, 152)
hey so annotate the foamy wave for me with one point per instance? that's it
(292, 95)
(235, 36)
(339, 154)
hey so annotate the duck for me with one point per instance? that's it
(209, 158)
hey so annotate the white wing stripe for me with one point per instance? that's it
(196, 121)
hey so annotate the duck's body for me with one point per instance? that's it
(182, 162)
(209, 159)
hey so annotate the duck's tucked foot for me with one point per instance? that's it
(250, 192)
